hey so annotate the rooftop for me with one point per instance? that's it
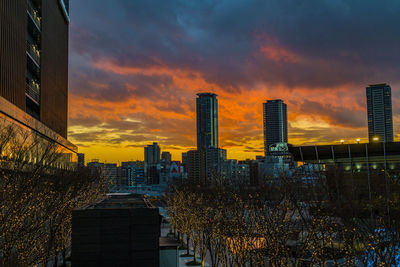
(378, 85)
(207, 94)
(121, 201)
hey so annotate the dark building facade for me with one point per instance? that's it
(196, 166)
(214, 162)
(207, 120)
(122, 230)
(275, 123)
(81, 160)
(34, 59)
(379, 108)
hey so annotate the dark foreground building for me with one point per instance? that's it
(34, 67)
(34, 59)
(122, 230)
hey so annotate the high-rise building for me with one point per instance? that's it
(275, 123)
(152, 163)
(379, 108)
(152, 154)
(34, 67)
(110, 172)
(207, 120)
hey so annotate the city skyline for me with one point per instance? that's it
(130, 86)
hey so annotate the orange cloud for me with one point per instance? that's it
(131, 123)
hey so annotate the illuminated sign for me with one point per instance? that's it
(278, 147)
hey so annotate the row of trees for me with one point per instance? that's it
(37, 197)
(286, 223)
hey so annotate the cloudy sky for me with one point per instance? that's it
(136, 66)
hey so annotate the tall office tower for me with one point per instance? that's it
(207, 120)
(152, 154)
(275, 123)
(379, 106)
(152, 163)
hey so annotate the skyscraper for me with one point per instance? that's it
(275, 123)
(152, 163)
(152, 154)
(207, 120)
(379, 108)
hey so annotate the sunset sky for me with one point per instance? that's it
(136, 66)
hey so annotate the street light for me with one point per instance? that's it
(342, 141)
(358, 140)
(375, 138)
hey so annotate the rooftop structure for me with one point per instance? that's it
(121, 230)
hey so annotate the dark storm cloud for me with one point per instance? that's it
(337, 41)
(337, 115)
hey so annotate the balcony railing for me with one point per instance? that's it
(33, 92)
(34, 52)
(34, 14)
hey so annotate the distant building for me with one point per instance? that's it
(166, 157)
(251, 172)
(243, 173)
(139, 175)
(207, 120)
(96, 167)
(152, 154)
(132, 173)
(230, 170)
(122, 230)
(275, 123)
(214, 161)
(128, 173)
(184, 160)
(153, 174)
(379, 108)
(110, 173)
(196, 166)
(152, 163)
(277, 163)
(81, 160)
